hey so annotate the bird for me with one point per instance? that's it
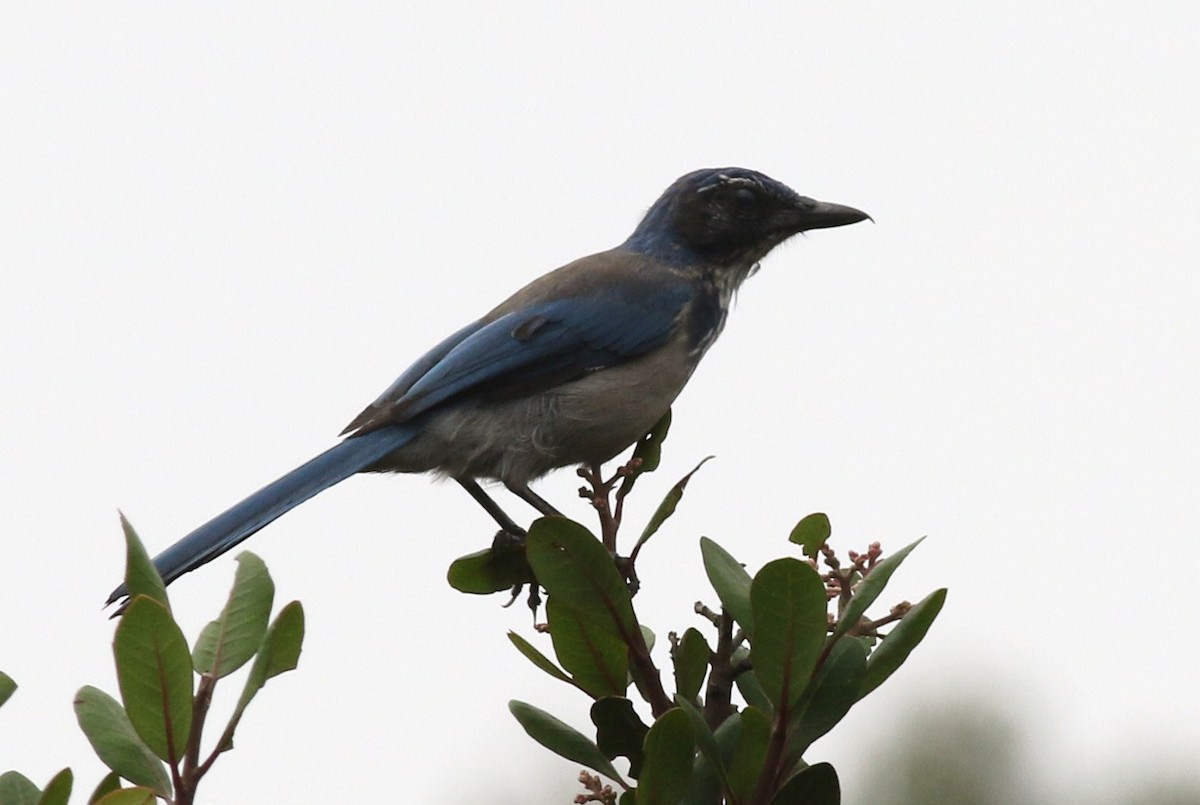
(571, 369)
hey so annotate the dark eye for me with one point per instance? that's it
(745, 200)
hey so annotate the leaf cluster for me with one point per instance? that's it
(797, 667)
(151, 737)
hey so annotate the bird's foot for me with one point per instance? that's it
(507, 542)
(533, 601)
(507, 539)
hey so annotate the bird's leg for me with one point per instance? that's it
(533, 499)
(510, 532)
(510, 536)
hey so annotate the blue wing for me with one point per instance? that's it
(535, 347)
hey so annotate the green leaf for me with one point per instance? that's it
(707, 787)
(279, 652)
(666, 508)
(815, 785)
(110, 783)
(284, 640)
(574, 567)
(154, 672)
(116, 742)
(648, 637)
(670, 749)
(538, 658)
(811, 533)
(141, 578)
(17, 789)
(58, 790)
(596, 660)
(716, 748)
(788, 598)
(7, 687)
(229, 642)
(562, 739)
(833, 691)
(901, 640)
(128, 796)
(748, 684)
(690, 658)
(731, 581)
(649, 451)
(750, 754)
(492, 570)
(870, 588)
(619, 731)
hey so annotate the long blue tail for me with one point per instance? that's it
(275, 499)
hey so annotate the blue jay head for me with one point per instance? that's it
(730, 217)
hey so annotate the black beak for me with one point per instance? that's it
(811, 214)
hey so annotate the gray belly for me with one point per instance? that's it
(587, 421)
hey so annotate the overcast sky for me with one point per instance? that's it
(224, 230)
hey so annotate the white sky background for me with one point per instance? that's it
(224, 230)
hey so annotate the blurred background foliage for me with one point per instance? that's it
(958, 749)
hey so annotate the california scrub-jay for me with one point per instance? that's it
(572, 369)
